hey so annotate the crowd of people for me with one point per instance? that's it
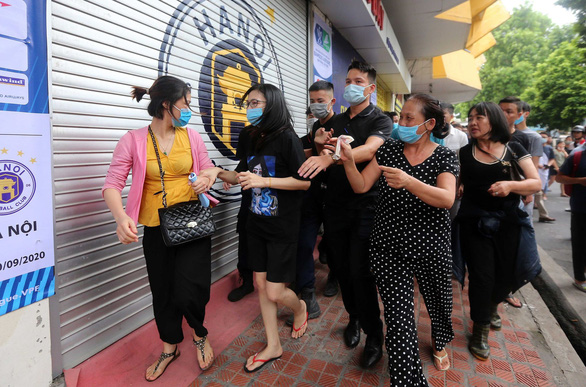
(399, 196)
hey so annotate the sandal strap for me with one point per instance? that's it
(200, 344)
(164, 356)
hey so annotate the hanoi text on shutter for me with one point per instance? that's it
(228, 45)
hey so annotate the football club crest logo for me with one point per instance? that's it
(232, 50)
(17, 186)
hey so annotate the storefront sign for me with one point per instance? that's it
(237, 52)
(322, 49)
(26, 202)
(377, 10)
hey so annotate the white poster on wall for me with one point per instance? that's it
(27, 258)
(322, 49)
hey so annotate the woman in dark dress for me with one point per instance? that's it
(411, 234)
(489, 219)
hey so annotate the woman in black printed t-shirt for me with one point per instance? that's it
(270, 154)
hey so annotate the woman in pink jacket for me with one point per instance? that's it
(179, 277)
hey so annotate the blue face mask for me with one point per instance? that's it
(183, 118)
(409, 134)
(354, 94)
(395, 125)
(254, 116)
(543, 140)
(520, 119)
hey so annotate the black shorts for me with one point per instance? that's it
(277, 259)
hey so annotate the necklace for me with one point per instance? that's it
(169, 142)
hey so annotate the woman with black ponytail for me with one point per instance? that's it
(179, 276)
(411, 234)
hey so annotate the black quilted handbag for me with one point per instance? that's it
(186, 222)
(182, 222)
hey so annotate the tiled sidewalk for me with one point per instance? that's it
(320, 358)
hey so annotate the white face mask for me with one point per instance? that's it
(310, 122)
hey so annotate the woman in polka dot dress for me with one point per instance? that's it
(411, 235)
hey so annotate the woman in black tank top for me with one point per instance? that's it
(489, 216)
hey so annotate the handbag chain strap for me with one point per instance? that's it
(160, 168)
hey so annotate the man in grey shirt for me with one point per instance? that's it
(536, 150)
(534, 146)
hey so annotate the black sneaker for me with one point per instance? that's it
(331, 288)
(313, 309)
(247, 287)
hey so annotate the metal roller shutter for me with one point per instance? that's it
(100, 49)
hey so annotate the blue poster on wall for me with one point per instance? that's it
(23, 73)
(27, 260)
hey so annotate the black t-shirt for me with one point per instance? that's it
(369, 122)
(521, 138)
(578, 197)
(317, 181)
(273, 213)
(478, 176)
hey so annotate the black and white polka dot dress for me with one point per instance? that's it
(411, 238)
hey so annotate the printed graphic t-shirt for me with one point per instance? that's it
(273, 213)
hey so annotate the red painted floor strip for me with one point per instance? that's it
(124, 363)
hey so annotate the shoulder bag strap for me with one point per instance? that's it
(491, 155)
(160, 168)
(512, 152)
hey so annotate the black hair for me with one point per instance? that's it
(165, 89)
(275, 118)
(430, 108)
(526, 107)
(308, 111)
(499, 127)
(391, 114)
(515, 100)
(322, 85)
(447, 106)
(364, 68)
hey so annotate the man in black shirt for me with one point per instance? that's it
(349, 216)
(322, 100)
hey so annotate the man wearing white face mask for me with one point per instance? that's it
(310, 119)
(348, 217)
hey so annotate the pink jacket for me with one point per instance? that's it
(131, 153)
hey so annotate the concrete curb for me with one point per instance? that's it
(568, 369)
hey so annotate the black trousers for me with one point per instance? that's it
(578, 227)
(491, 265)
(348, 233)
(242, 265)
(180, 279)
